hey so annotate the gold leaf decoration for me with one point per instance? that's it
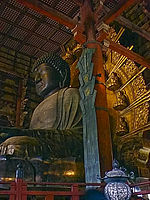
(130, 68)
(141, 115)
(139, 86)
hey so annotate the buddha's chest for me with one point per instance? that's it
(44, 116)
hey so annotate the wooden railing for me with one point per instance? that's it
(21, 190)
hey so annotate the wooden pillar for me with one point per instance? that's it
(103, 125)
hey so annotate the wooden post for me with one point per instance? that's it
(103, 126)
(21, 187)
(12, 190)
(74, 189)
(49, 197)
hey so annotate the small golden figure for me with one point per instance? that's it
(113, 83)
(122, 127)
(122, 101)
(69, 57)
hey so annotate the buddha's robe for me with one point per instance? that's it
(60, 111)
(55, 128)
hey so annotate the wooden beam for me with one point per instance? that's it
(118, 10)
(129, 54)
(125, 22)
(102, 35)
(36, 34)
(49, 12)
(111, 16)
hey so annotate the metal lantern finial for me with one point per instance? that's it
(115, 164)
(117, 188)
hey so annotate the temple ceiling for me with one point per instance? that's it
(28, 31)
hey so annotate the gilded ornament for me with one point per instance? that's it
(121, 102)
(128, 149)
(112, 34)
(113, 83)
(122, 127)
(87, 91)
(86, 77)
(77, 51)
(69, 57)
(141, 115)
(139, 86)
(130, 68)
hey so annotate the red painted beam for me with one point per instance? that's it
(49, 12)
(101, 36)
(129, 54)
(118, 10)
(78, 34)
(111, 16)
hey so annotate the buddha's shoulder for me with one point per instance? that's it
(71, 90)
(74, 92)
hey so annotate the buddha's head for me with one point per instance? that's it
(51, 73)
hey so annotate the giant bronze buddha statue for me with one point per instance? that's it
(56, 124)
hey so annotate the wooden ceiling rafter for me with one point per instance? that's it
(78, 2)
(118, 10)
(26, 54)
(30, 34)
(29, 31)
(55, 3)
(3, 5)
(46, 42)
(49, 12)
(129, 54)
(58, 28)
(125, 22)
(19, 18)
(18, 9)
(36, 18)
(74, 9)
(111, 16)
(19, 41)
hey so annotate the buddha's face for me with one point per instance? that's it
(46, 79)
